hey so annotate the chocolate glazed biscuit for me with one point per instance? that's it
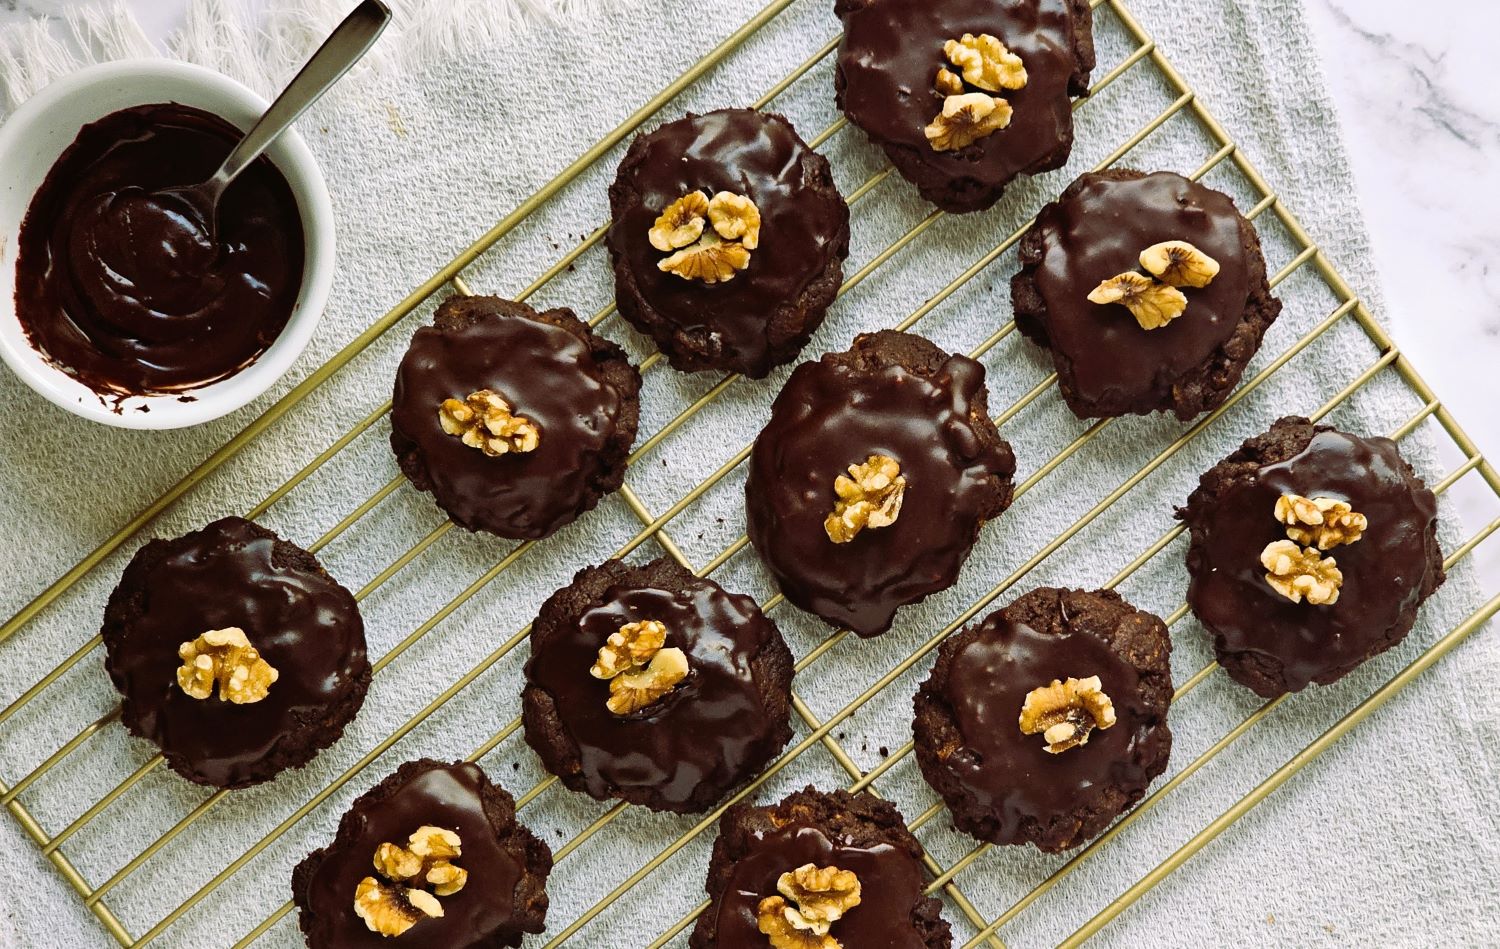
(503, 896)
(710, 733)
(1263, 639)
(235, 574)
(891, 394)
(1003, 785)
(1107, 364)
(763, 315)
(889, 59)
(854, 832)
(578, 389)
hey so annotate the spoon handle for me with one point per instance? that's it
(338, 53)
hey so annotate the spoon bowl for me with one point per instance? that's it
(345, 46)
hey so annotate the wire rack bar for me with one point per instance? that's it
(653, 528)
(562, 265)
(395, 482)
(902, 752)
(66, 869)
(672, 512)
(433, 284)
(1360, 712)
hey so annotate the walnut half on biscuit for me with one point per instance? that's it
(1153, 304)
(224, 657)
(869, 497)
(967, 118)
(1066, 712)
(811, 900)
(411, 880)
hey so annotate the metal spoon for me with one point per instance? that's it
(339, 52)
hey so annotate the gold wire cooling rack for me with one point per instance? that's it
(945, 879)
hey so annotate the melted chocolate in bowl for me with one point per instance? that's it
(124, 288)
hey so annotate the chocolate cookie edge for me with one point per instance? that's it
(1147, 649)
(1201, 391)
(321, 730)
(771, 670)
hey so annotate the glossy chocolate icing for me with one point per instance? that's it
(1100, 233)
(1012, 775)
(710, 729)
(549, 376)
(890, 56)
(891, 886)
(1385, 572)
(124, 288)
(831, 416)
(303, 623)
(804, 226)
(449, 797)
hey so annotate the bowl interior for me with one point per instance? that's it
(31, 142)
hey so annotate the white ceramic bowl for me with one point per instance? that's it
(31, 141)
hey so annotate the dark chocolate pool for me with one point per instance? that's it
(127, 290)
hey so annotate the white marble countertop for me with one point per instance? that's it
(1423, 131)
